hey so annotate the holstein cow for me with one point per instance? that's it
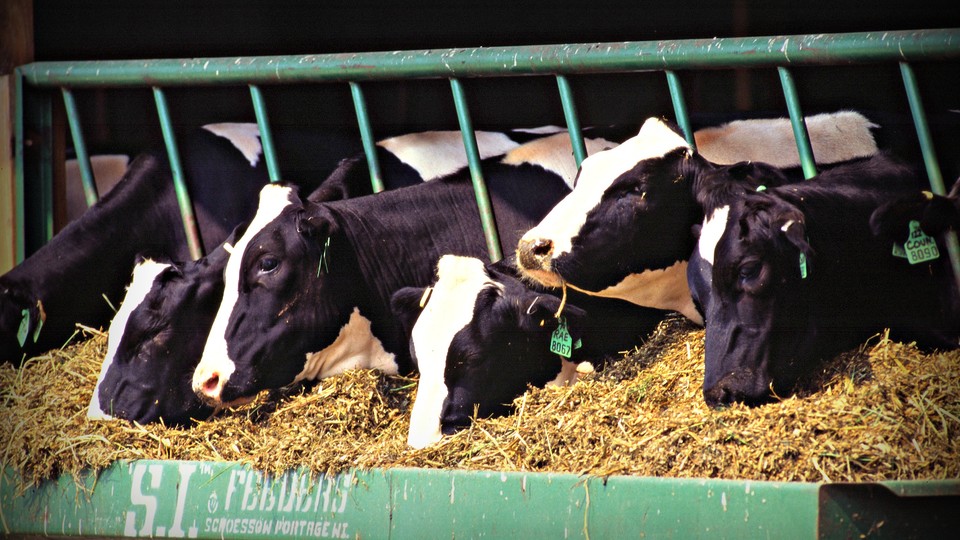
(308, 286)
(480, 337)
(66, 281)
(157, 336)
(626, 230)
(799, 276)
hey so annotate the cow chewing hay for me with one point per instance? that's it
(884, 412)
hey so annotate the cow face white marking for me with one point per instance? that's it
(711, 231)
(215, 365)
(354, 348)
(144, 275)
(244, 136)
(450, 309)
(597, 173)
(438, 153)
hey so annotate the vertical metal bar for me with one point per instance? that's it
(19, 209)
(266, 136)
(366, 137)
(807, 161)
(680, 107)
(929, 156)
(44, 191)
(476, 174)
(573, 122)
(179, 184)
(80, 147)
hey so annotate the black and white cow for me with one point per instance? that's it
(626, 230)
(65, 281)
(799, 276)
(308, 286)
(157, 336)
(480, 337)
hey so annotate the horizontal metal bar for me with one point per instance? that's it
(716, 53)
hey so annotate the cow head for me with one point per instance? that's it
(288, 293)
(757, 320)
(625, 230)
(156, 339)
(935, 213)
(479, 339)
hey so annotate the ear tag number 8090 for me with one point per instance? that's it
(920, 247)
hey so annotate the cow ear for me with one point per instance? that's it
(796, 233)
(315, 221)
(406, 306)
(540, 310)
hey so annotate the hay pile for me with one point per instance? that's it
(885, 412)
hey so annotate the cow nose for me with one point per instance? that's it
(719, 395)
(535, 253)
(209, 387)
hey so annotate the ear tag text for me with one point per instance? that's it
(560, 341)
(920, 247)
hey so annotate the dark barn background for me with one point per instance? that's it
(124, 29)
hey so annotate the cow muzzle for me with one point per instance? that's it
(534, 257)
(208, 385)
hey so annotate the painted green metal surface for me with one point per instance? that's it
(476, 173)
(799, 125)
(573, 121)
(366, 137)
(680, 107)
(179, 182)
(766, 51)
(266, 134)
(80, 148)
(184, 499)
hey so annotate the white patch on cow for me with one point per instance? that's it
(711, 231)
(555, 154)
(834, 137)
(597, 173)
(787, 225)
(438, 153)
(215, 359)
(567, 376)
(450, 309)
(542, 130)
(664, 288)
(354, 348)
(244, 136)
(144, 274)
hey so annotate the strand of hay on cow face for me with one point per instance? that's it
(885, 412)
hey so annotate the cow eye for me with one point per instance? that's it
(268, 264)
(750, 270)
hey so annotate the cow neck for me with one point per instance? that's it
(397, 236)
(61, 268)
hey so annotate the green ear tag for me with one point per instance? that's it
(24, 327)
(920, 247)
(898, 251)
(324, 259)
(803, 265)
(560, 341)
(761, 187)
(36, 331)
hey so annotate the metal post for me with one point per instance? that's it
(266, 136)
(807, 161)
(680, 107)
(19, 210)
(183, 197)
(476, 174)
(366, 137)
(929, 156)
(80, 147)
(573, 122)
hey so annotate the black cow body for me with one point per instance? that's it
(480, 337)
(157, 337)
(310, 278)
(65, 281)
(799, 276)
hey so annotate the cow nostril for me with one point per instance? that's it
(542, 247)
(211, 384)
(718, 396)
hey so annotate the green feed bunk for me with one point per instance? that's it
(213, 500)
